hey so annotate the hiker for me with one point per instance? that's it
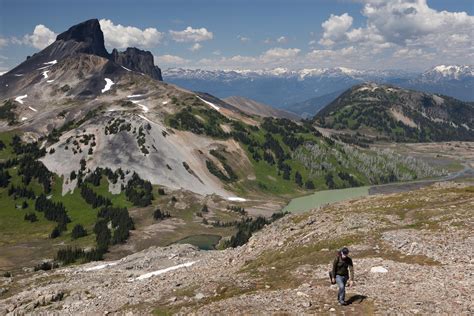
(342, 271)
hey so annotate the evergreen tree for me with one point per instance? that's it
(55, 233)
(78, 231)
(4, 178)
(298, 179)
(159, 215)
(31, 217)
(139, 191)
(309, 185)
(92, 198)
(53, 211)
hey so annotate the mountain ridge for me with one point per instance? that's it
(400, 114)
(250, 106)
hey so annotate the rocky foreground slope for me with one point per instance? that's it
(412, 254)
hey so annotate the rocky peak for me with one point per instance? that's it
(89, 34)
(137, 60)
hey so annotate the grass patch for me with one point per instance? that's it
(273, 267)
(6, 138)
(166, 310)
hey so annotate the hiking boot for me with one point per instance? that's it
(343, 303)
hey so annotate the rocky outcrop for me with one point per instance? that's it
(83, 38)
(137, 60)
(89, 35)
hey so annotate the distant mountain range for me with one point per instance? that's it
(298, 91)
(279, 87)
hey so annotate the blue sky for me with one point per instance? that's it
(294, 34)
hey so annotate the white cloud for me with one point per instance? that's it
(405, 34)
(400, 33)
(3, 42)
(191, 35)
(406, 52)
(243, 39)
(335, 28)
(280, 53)
(170, 60)
(232, 62)
(119, 36)
(41, 37)
(195, 47)
(272, 58)
(277, 40)
(408, 22)
(282, 40)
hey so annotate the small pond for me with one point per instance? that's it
(202, 241)
(305, 203)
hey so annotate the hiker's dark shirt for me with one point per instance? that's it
(342, 266)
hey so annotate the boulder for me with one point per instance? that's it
(378, 269)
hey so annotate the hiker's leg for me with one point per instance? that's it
(344, 280)
(342, 288)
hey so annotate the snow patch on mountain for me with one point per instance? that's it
(101, 266)
(144, 107)
(236, 199)
(215, 107)
(108, 84)
(20, 98)
(158, 272)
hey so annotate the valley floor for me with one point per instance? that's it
(422, 238)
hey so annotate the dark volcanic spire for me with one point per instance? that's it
(89, 34)
(137, 60)
(86, 38)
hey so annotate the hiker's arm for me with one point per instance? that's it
(334, 267)
(351, 272)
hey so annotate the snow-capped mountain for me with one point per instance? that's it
(181, 73)
(279, 87)
(454, 80)
(451, 72)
